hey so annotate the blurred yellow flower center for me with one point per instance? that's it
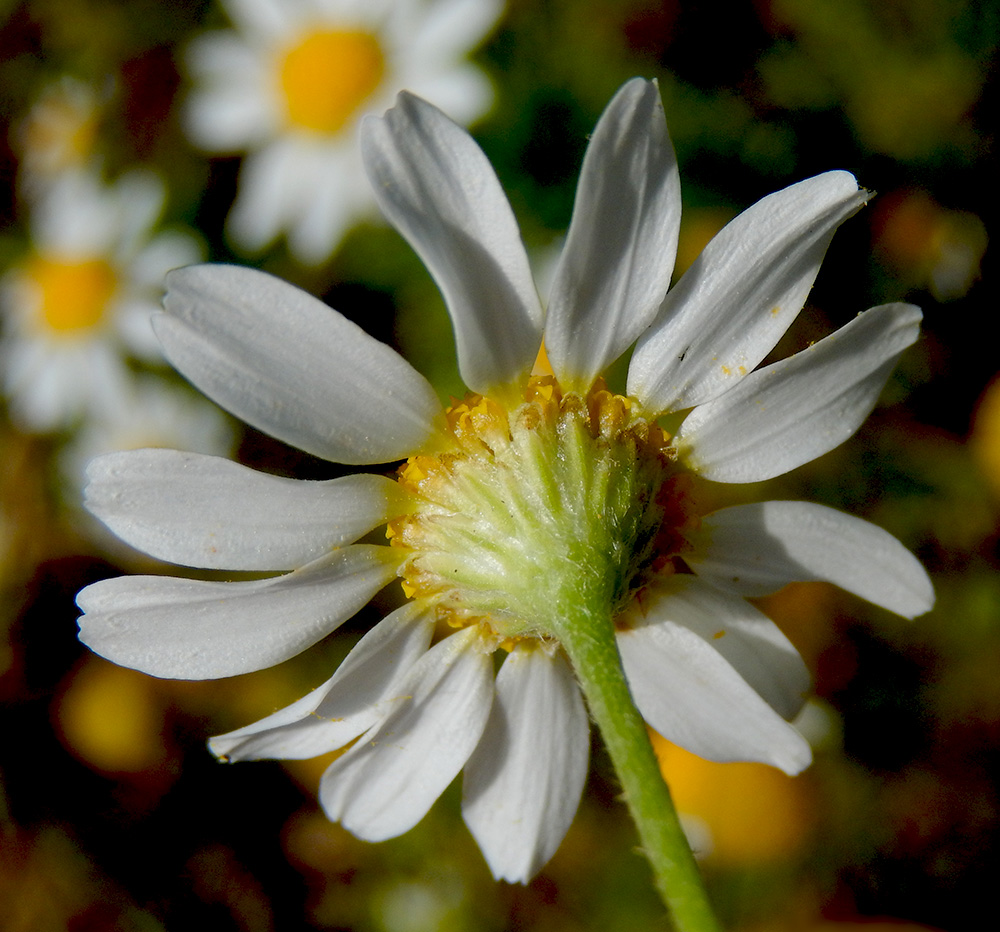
(565, 500)
(74, 295)
(328, 76)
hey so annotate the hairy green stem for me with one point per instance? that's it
(590, 644)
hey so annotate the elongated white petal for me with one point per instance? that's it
(438, 189)
(210, 512)
(359, 694)
(522, 785)
(750, 642)
(621, 244)
(788, 413)
(732, 306)
(756, 549)
(693, 696)
(289, 365)
(193, 629)
(386, 783)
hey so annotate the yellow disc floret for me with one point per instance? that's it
(73, 296)
(327, 77)
(525, 514)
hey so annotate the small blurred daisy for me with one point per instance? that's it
(290, 85)
(537, 516)
(152, 414)
(81, 298)
(58, 133)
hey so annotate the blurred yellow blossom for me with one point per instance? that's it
(113, 718)
(738, 813)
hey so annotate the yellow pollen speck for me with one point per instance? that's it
(327, 77)
(719, 634)
(775, 311)
(726, 370)
(74, 296)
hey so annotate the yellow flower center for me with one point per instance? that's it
(74, 295)
(525, 514)
(328, 76)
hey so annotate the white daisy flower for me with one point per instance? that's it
(290, 85)
(58, 132)
(82, 296)
(537, 502)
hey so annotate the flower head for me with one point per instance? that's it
(81, 298)
(539, 503)
(289, 86)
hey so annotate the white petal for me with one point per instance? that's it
(273, 185)
(788, 413)
(620, 248)
(732, 306)
(522, 785)
(449, 29)
(756, 549)
(289, 365)
(209, 512)
(438, 189)
(692, 696)
(264, 20)
(386, 783)
(747, 639)
(193, 629)
(359, 694)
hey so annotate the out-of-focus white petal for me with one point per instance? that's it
(747, 639)
(756, 549)
(386, 783)
(271, 195)
(209, 512)
(193, 629)
(691, 695)
(732, 306)
(522, 785)
(284, 362)
(621, 244)
(448, 29)
(438, 189)
(358, 695)
(788, 413)
(264, 20)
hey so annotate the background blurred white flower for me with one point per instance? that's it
(290, 84)
(80, 299)
(153, 413)
(58, 132)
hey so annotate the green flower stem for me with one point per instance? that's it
(590, 644)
